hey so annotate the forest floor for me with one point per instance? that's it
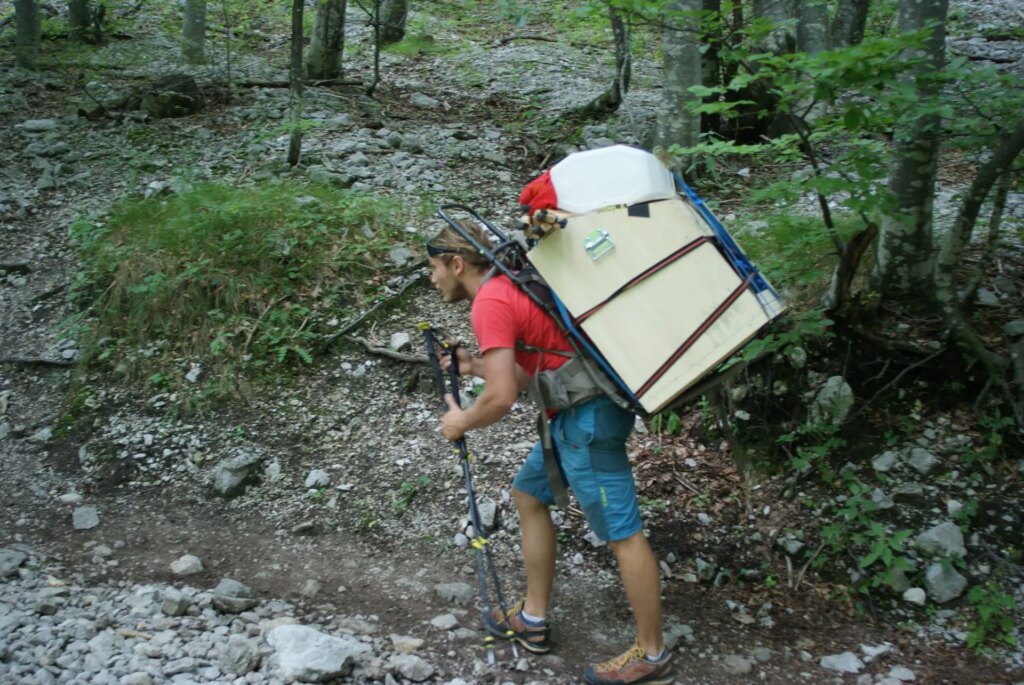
(380, 538)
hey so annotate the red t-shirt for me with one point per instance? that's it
(503, 315)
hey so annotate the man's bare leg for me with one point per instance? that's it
(639, 572)
(538, 541)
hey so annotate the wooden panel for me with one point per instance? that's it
(639, 242)
(640, 329)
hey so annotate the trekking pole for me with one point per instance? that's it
(435, 340)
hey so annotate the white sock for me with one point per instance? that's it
(532, 619)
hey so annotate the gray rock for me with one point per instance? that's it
(38, 125)
(833, 402)
(847, 662)
(459, 594)
(921, 460)
(986, 298)
(734, 664)
(421, 100)
(231, 475)
(488, 509)
(400, 342)
(183, 665)
(400, 255)
(318, 478)
(908, 490)
(395, 139)
(323, 175)
(186, 565)
(239, 655)
(884, 462)
(705, 570)
(412, 667)
(339, 121)
(873, 653)
(902, 674)
(941, 540)
(175, 602)
(445, 621)
(943, 582)
(84, 518)
(42, 435)
(915, 596)
(10, 561)
(137, 678)
(357, 159)
(879, 497)
(1014, 329)
(302, 654)
(311, 588)
(232, 597)
(406, 644)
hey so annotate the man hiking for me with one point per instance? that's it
(517, 339)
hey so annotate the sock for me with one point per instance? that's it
(532, 621)
(657, 659)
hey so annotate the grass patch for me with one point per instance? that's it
(235, 278)
(418, 45)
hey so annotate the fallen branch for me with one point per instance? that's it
(31, 361)
(362, 317)
(286, 84)
(15, 267)
(509, 39)
(800, 576)
(385, 352)
(897, 379)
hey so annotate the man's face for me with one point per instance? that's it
(443, 276)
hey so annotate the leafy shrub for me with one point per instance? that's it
(236, 276)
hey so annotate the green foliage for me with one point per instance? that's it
(995, 617)
(667, 423)
(418, 45)
(857, 535)
(996, 426)
(407, 492)
(242, 278)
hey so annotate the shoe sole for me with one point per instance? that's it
(663, 679)
(531, 647)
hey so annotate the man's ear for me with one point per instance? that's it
(457, 265)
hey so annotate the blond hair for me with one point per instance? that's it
(449, 243)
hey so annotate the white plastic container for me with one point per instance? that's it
(608, 176)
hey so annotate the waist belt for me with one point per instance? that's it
(573, 383)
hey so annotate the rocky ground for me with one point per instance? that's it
(341, 551)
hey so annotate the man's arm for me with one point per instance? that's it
(499, 369)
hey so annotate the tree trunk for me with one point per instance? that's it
(849, 22)
(952, 251)
(903, 268)
(193, 38)
(27, 37)
(80, 21)
(780, 40)
(812, 26)
(609, 101)
(392, 17)
(676, 124)
(711, 68)
(328, 41)
(295, 115)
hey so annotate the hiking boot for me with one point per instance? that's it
(513, 627)
(631, 668)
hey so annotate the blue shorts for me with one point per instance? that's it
(590, 440)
